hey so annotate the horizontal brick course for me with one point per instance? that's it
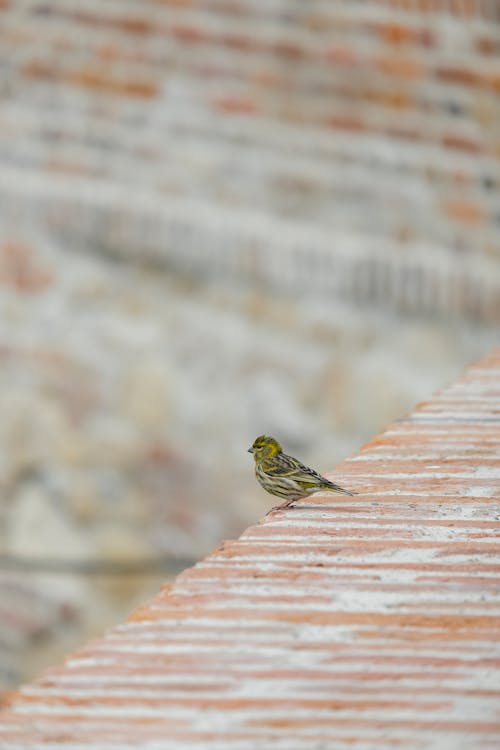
(367, 624)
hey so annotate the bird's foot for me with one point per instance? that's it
(281, 506)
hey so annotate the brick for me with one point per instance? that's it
(459, 75)
(235, 105)
(20, 270)
(240, 42)
(39, 69)
(466, 212)
(461, 143)
(343, 56)
(136, 25)
(289, 50)
(189, 34)
(95, 78)
(345, 122)
(405, 67)
(400, 34)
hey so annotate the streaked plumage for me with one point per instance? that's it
(284, 475)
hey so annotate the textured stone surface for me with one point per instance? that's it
(367, 622)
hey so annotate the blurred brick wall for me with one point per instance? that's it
(356, 143)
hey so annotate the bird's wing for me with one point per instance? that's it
(307, 478)
(294, 469)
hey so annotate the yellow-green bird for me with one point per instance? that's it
(284, 475)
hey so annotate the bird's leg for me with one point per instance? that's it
(281, 506)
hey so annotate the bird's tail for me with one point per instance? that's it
(332, 487)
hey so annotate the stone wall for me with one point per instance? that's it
(219, 219)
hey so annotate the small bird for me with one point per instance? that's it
(284, 475)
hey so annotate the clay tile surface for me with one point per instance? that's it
(366, 622)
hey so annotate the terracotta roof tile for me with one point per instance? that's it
(368, 623)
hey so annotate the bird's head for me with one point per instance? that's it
(264, 447)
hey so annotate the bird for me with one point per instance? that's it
(286, 476)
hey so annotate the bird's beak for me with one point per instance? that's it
(250, 450)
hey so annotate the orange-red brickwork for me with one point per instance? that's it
(332, 130)
(364, 623)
